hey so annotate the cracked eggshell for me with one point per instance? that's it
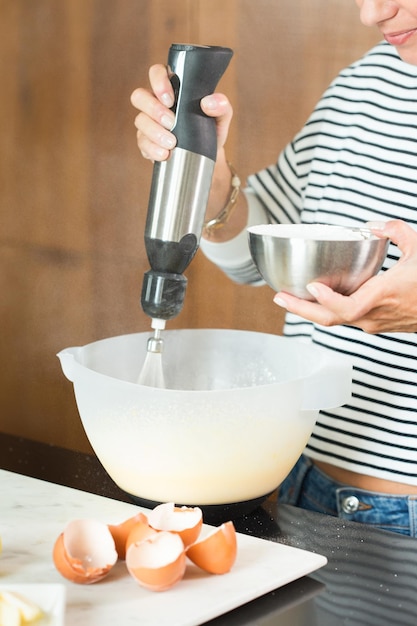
(139, 532)
(216, 552)
(120, 532)
(85, 551)
(185, 521)
(157, 562)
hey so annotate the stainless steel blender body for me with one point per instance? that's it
(180, 186)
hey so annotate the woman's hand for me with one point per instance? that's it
(156, 120)
(155, 141)
(383, 304)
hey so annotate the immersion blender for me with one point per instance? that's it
(179, 190)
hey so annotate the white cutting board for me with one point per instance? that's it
(34, 512)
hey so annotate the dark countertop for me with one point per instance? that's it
(370, 578)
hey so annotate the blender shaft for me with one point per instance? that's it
(180, 189)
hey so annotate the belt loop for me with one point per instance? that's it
(290, 490)
(412, 510)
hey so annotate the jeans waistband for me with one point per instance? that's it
(309, 487)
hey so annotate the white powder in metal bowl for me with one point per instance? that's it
(318, 232)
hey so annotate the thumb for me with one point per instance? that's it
(399, 232)
(218, 106)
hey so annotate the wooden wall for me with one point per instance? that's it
(74, 189)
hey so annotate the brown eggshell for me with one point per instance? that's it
(120, 532)
(185, 521)
(139, 532)
(85, 551)
(158, 562)
(215, 553)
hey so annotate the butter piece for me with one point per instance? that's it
(14, 604)
(9, 614)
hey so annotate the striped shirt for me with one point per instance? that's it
(354, 161)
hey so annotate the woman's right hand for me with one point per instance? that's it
(155, 119)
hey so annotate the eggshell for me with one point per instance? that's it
(185, 521)
(139, 532)
(158, 562)
(85, 551)
(215, 553)
(120, 532)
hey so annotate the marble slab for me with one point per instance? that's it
(34, 512)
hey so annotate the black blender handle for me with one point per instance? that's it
(196, 70)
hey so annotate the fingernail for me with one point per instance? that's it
(210, 102)
(311, 288)
(168, 141)
(167, 121)
(167, 99)
(160, 154)
(280, 302)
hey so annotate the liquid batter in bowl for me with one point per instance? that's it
(236, 412)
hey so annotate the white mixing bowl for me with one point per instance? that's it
(238, 412)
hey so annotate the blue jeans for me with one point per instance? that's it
(310, 488)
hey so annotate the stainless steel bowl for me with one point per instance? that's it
(290, 256)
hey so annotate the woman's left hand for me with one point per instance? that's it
(385, 303)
